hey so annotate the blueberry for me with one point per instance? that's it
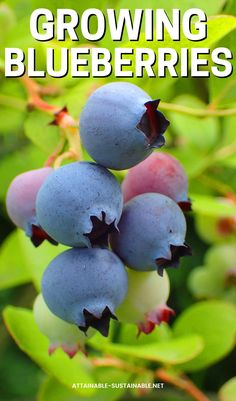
(21, 199)
(85, 286)
(151, 233)
(60, 333)
(159, 173)
(145, 302)
(79, 204)
(120, 125)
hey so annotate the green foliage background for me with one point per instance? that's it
(201, 339)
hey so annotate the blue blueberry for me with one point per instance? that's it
(120, 125)
(151, 233)
(85, 286)
(79, 204)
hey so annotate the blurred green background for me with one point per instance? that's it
(203, 292)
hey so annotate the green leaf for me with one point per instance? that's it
(193, 161)
(173, 351)
(13, 107)
(40, 132)
(37, 259)
(21, 325)
(51, 390)
(215, 322)
(228, 390)
(76, 97)
(222, 91)
(199, 132)
(13, 269)
(21, 262)
(217, 27)
(17, 162)
(128, 335)
(210, 7)
(7, 21)
(211, 206)
(230, 7)
(229, 140)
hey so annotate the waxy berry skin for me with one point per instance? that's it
(21, 199)
(85, 286)
(79, 204)
(120, 125)
(160, 173)
(60, 333)
(151, 233)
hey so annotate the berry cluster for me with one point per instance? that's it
(80, 205)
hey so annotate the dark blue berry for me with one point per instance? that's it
(79, 204)
(151, 233)
(85, 286)
(120, 125)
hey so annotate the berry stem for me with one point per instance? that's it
(213, 183)
(110, 361)
(12, 102)
(34, 99)
(52, 158)
(216, 101)
(62, 118)
(206, 112)
(182, 383)
(69, 155)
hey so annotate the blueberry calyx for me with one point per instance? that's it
(176, 253)
(59, 116)
(99, 323)
(38, 235)
(98, 236)
(70, 350)
(185, 206)
(153, 124)
(146, 327)
(155, 318)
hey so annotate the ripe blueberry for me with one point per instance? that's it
(85, 286)
(145, 302)
(60, 333)
(20, 202)
(120, 125)
(151, 233)
(79, 204)
(159, 173)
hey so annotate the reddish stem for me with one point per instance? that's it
(35, 100)
(62, 119)
(182, 383)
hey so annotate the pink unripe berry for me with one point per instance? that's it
(20, 202)
(160, 173)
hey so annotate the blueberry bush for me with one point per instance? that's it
(96, 221)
